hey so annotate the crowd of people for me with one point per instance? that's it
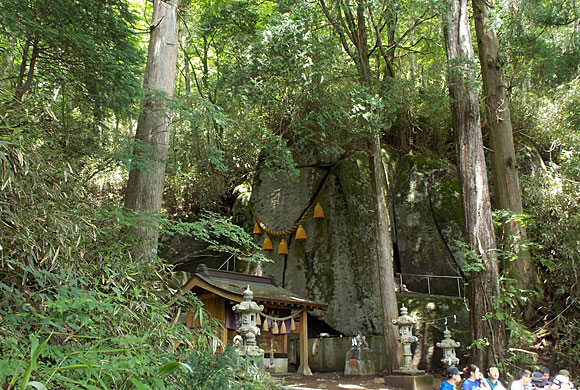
(473, 379)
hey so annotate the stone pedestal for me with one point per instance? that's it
(250, 361)
(276, 365)
(410, 382)
(359, 363)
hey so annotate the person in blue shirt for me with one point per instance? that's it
(453, 378)
(474, 379)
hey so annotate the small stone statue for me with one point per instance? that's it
(359, 360)
(359, 342)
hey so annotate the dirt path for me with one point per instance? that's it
(332, 381)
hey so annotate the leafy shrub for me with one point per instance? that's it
(77, 311)
(208, 371)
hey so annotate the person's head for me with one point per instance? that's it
(493, 373)
(524, 376)
(454, 375)
(544, 370)
(564, 373)
(538, 380)
(471, 371)
(560, 382)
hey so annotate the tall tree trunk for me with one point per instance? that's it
(505, 174)
(483, 275)
(349, 23)
(145, 186)
(384, 247)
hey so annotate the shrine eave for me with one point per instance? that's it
(231, 285)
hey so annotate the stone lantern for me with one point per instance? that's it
(248, 312)
(448, 346)
(406, 323)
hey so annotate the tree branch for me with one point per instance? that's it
(379, 44)
(21, 88)
(338, 27)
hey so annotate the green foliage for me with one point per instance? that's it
(35, 350)
(220, 234)
(539, 38)
(565, 347)
(215, 372)
(548, 164)
(479, 344)
(87, 47)
(260, 82)
(505, 307)
(552, 199)
(77, 311)
(470, 261)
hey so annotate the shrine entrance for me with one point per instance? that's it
(284, 314)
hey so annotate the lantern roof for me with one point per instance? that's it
(231, 285)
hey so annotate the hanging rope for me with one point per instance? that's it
(282, 318)
(301, 221)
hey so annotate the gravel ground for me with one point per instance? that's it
(335, 381)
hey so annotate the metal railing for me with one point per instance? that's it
(226, 264)
(231, 261)
(428, 278)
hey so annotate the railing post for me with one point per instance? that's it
(428, 277)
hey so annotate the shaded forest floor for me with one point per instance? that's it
(336, 381)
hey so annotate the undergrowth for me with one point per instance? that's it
(77, 311)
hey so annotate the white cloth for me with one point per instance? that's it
(499, 386)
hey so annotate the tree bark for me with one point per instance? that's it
(384, 249)
(503, 158)
(482, 269)
(350, 25)
(145, 186)
(23, 84)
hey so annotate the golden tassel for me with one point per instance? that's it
(292, 324)
(283, 327)
(267, 244)
(318, 212)
(257, 229)
(283, 247)
(300, 234)
(258, 319)
(265, 325)
(275, 328)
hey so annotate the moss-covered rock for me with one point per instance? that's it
(337, 264)
(428, 215)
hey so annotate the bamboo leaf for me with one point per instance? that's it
(36, 385)
(169, 367)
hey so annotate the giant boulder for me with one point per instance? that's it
(337, 264)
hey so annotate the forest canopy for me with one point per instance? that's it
(255, 84)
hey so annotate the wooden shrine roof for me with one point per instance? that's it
(231, 285)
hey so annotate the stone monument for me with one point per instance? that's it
(406, 323)
(359, 359)
(408, 376)
(246, 343)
